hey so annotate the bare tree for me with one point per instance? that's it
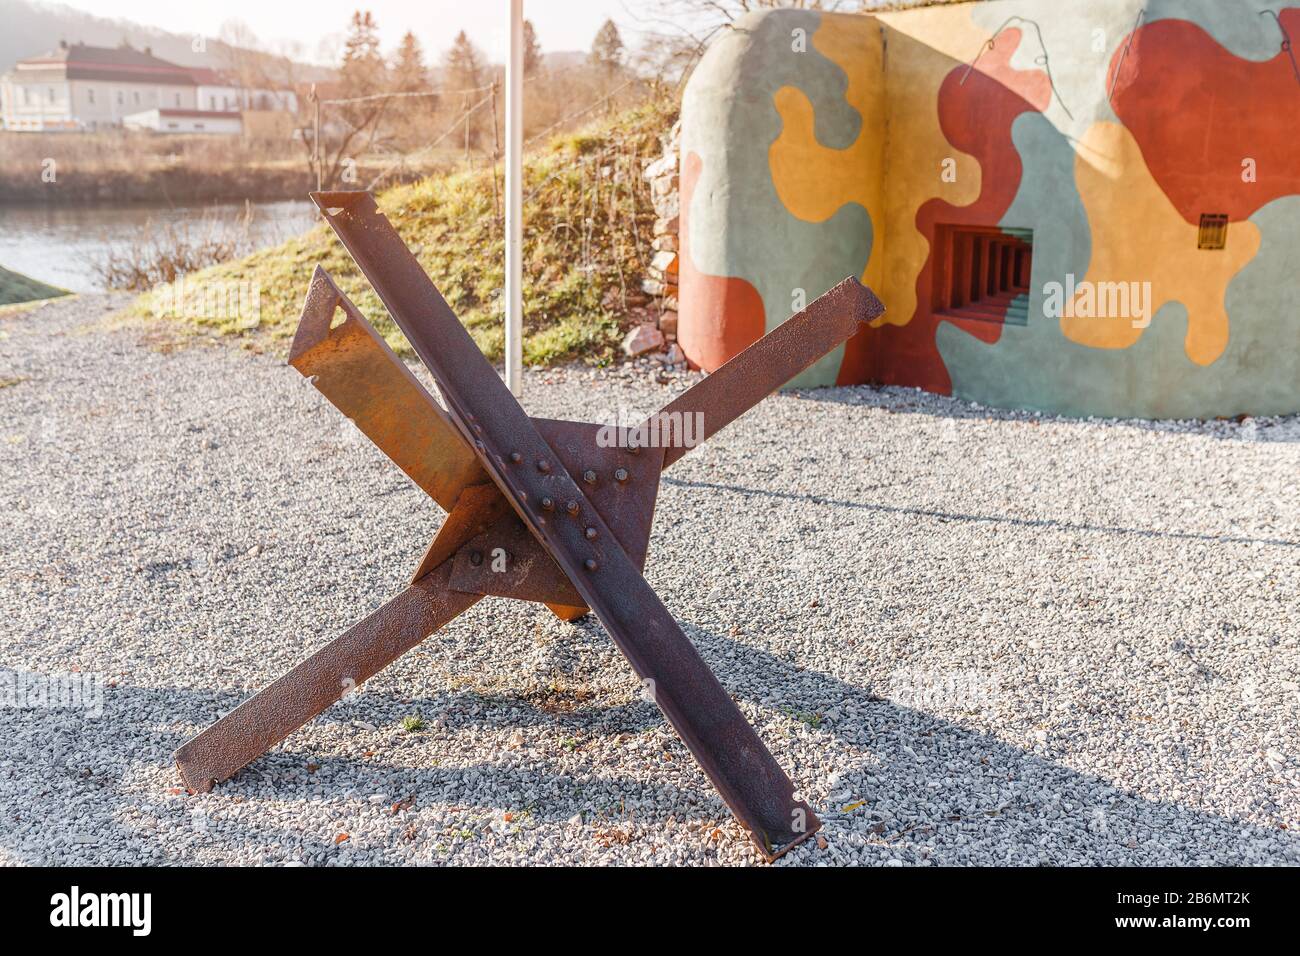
(249, 66)
(676, 32)
(359, 112)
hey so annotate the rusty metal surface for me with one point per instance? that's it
(480, 508)
(507, 561)
(758, 371)
(526, 469)
(356, 370)
(353, 367)
(570, 509)
(477, 509)
(367, 647)
(622, 486)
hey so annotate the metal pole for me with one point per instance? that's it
(496, 156)
(464, 105)
(515, 201)
(315, 138)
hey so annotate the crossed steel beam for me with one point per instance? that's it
(550, 511)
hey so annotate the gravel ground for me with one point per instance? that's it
(970, 636)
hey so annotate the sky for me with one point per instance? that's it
(560, 24)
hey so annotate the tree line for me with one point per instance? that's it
(396, 103)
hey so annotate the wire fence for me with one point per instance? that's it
(488, 98)
(429, 148)
(400, 95)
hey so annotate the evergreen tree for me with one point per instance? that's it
(463, 64)
(607, 48)
(363, 70)
(464, 69)
(362, 73)
(409, 74)
(532, 50)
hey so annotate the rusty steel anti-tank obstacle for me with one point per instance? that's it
(537, 509)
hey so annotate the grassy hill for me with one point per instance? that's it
(19, 288)
(587, 232)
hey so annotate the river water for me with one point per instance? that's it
(60, 244)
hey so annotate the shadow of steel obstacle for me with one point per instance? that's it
(555, 512)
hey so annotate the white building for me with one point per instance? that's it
(210, 122)
(219, 91)
(79, 87)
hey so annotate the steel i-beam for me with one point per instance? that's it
(574, 517)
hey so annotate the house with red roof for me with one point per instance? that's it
(81, 88)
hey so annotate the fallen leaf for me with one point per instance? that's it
(342, 837)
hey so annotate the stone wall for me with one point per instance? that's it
(659, 332)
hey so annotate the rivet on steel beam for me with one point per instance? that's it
(516, 457)
(571, 507)
(476, 558)
(620, 474)
(589, 476)
(590, 533)
(548, 504)
(543, 466)
(590, 564)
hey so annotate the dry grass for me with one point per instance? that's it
(163, 253)
(587, 225)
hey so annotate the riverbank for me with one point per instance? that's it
(588, 222)
(69, 245)
(128, 167)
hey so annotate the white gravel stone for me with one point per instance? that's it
(970, 636)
